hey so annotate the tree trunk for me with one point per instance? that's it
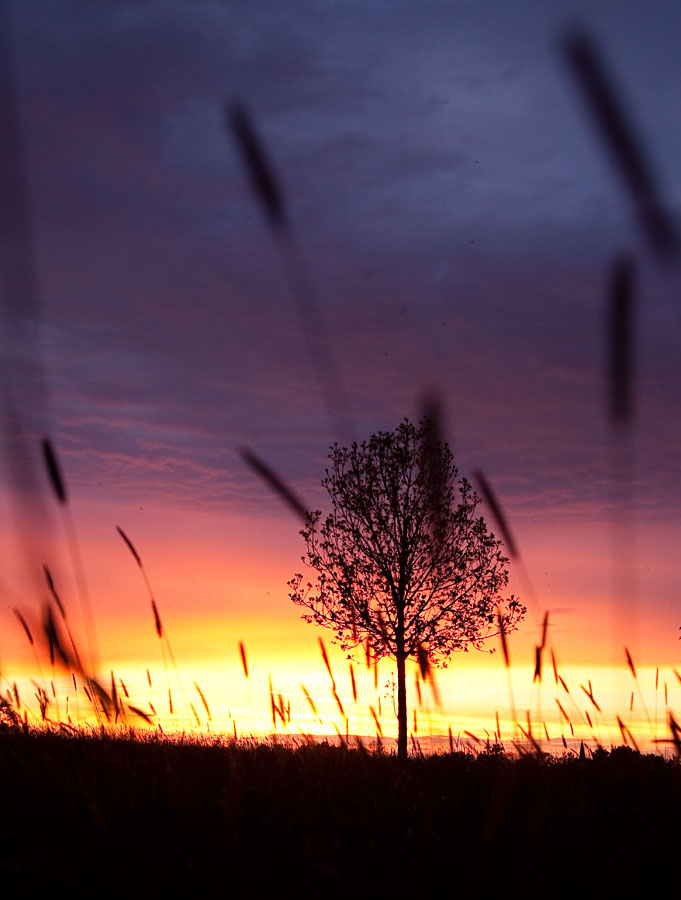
(401, 706)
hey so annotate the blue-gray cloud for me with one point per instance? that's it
(455, 208)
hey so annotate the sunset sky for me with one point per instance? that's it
(458, 216)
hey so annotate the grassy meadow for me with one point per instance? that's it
(155, 814)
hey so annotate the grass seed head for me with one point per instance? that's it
(494, 505)
(261, 173)
(157, 619)
(310, 701)
(130, 546)
(53, 471)
(24, 624)
(270, 477)
(630, 662)
(244, 662)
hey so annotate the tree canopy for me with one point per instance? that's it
(403, 564)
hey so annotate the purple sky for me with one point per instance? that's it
(457, 212)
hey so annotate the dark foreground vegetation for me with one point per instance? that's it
(87, 813)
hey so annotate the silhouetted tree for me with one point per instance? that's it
(402, 563)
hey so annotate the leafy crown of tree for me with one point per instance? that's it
(402, 562)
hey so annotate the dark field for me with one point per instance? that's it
(150, 816)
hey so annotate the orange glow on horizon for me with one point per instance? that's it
(219, 581)
(471, 693)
